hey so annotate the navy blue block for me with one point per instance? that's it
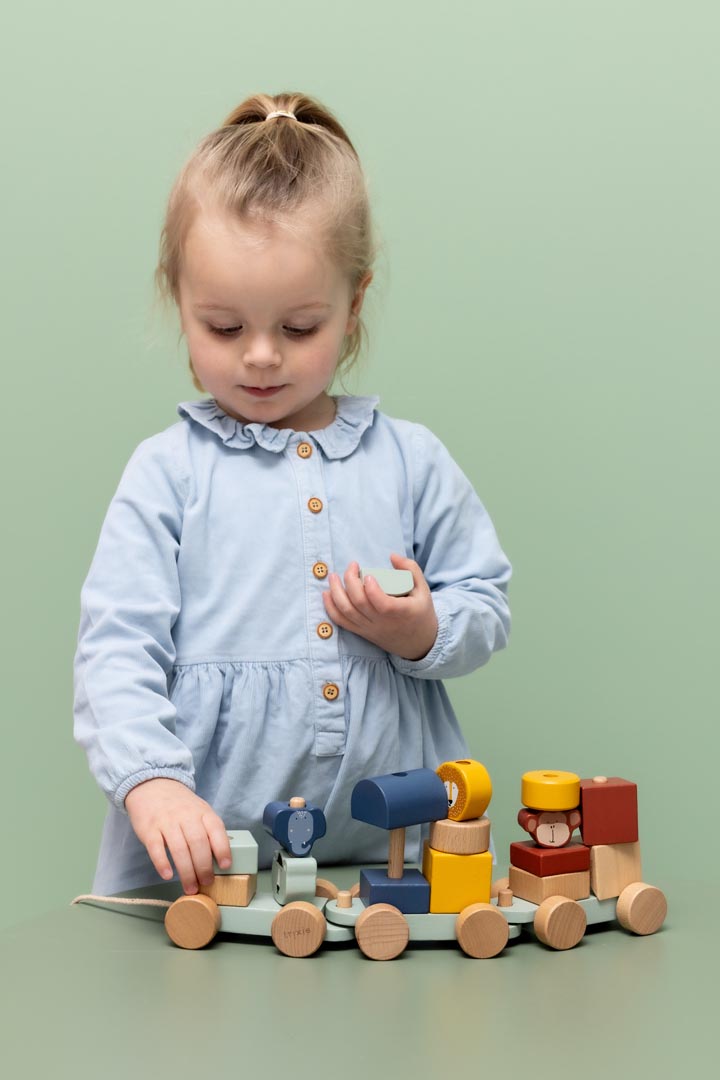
(296, 829)
(410, 893)
(400, 799)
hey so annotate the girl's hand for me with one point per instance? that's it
(166, 813)
(403, 625)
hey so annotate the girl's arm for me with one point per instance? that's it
(124, 719)
(457, 614)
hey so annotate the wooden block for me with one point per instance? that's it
(550, 790)
(192, 921)
(461, 837)
(456, 881)
(399, 799)
(468, 787)
(393, 582)
(545, 861)
(410, 893)
(536, 889)
(293, 878)
(612, 867)
(231, 890)
(609, 808)
(243, 851)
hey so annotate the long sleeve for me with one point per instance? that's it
(129, 602)
(457, 548)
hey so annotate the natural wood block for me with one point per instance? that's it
(231, 890)
(544, 862)
(456, 880)
(612, 867)
(536, 889)
(609, 808)
(468, 787)
(461, 837)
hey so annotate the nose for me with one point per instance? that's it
(262, 352)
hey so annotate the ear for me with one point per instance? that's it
(357, 302)
(528, 821)
(574, 819)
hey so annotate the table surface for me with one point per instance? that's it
(93, 991)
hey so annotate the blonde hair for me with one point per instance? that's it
(269, 170)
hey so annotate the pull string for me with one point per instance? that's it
(120, 900)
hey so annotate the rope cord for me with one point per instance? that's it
(121, 900)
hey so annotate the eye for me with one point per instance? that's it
(294, 331)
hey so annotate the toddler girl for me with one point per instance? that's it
(229, 652)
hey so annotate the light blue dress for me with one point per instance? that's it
(198, 656)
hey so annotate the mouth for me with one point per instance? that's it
(263, 391)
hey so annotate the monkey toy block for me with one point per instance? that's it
(549, 828)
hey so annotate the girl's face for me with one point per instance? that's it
(265, 316)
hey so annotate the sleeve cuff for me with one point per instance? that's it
(150, 774)
(412, 667)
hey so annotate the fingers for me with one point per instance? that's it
(219, 840)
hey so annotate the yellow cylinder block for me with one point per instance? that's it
(550, 790)
(469, 788)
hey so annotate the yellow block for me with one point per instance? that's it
(550, 790)
(456, 880)
(468, 786)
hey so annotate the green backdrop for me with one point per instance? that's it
(545, 181)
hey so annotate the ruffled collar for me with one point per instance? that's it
(354, 415)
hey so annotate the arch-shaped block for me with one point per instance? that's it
(400, 799)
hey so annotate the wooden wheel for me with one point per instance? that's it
(641, 908)
(560, 922)
(355, 889)
(192, 921)
(298, 929)
(481, 931)
(326, 888)
(498, 886)
(382, 932)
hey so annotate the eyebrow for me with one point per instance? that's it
(298, 307)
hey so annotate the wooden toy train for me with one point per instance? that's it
(556, 886)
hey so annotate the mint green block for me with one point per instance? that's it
(393, 582)
(244, 852)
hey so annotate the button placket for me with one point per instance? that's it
(329, 706)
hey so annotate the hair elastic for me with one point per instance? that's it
(280, 112)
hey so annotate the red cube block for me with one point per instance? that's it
(609, 811)
(544, 862)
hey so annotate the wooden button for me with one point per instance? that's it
(304, 449)
(320, 570)
(324, 630)
(315, 505)
(331, 691)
